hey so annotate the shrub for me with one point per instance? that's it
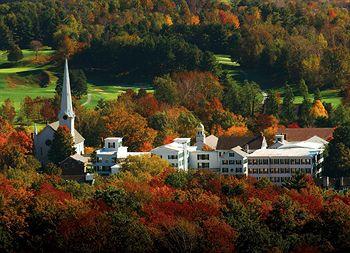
(15, 53)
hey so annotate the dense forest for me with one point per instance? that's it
(290, 40)
(148, 208)
(302, 46)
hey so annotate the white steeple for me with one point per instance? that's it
(66, 115)
(200, 136)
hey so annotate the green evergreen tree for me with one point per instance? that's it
(288, 108)
(166, 90)
(304, 91)
(62, 145)
(271, 103)
(305, 118)
(317, 95)
(6, 37)
(337, 159)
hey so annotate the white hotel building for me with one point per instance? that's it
(280, 163)
(109, 157)
(238, 156)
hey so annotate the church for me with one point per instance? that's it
(66, 117)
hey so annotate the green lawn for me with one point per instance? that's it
(266, 81)
(17, 80)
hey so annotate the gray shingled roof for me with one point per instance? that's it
(78, 138)
(229, 142)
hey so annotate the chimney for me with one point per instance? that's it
(279, 138)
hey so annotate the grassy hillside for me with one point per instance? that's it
(18, 80)
(266, 82)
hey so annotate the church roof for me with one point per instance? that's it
(78, 157)
(77, 136)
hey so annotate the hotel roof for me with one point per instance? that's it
(302, 134)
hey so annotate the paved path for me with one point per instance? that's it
(88, 99)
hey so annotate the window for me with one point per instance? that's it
(171, 157)
(203, 165)
(231, 161)
(238, 161)
(250, 171)
(224, 170)
(203, 157)
(263, 171)
(238, 170)
(174, 165)
(232, 170)
(231, 154)
(224, 162)
(276, 161)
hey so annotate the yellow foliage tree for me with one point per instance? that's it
(318, 110)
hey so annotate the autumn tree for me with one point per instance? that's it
(144, 164)
(318, 110)
(36, 45)
(62, 145)
(7, 111)
(132, 126)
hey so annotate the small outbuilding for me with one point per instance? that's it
(74, 167)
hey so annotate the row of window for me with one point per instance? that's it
(106, 160)
(279, 161)
(229, 154)
(237, 170)
(225, 162)
(275, 179)
(172, 157)
(278, 170)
